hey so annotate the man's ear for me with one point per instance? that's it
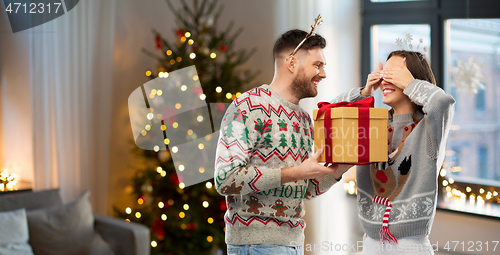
(292, 63)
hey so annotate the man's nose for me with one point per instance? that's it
(322, 73)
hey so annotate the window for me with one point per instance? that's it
(480, 100)
(482, 162)
(464, 39)
(471, 76)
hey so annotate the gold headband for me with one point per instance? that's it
(317, 22)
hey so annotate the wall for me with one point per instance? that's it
(452, 226)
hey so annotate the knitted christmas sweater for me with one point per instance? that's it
(402, 193)
(260, 134)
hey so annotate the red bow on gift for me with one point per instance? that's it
(363, 122)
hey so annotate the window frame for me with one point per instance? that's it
(434, 13)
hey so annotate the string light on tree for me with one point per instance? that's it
(198, 40)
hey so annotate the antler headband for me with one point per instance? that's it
(317, 22)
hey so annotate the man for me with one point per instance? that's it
(264, 162)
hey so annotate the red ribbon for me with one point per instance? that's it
(363, 122)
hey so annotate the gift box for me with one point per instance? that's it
(354, 133)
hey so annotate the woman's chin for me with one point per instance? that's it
(386, 101)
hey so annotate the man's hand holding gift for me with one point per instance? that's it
(311, 169)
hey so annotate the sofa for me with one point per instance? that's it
(72, 228)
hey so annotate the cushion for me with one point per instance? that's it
(30, 200)
(66, 229)
(14, 235)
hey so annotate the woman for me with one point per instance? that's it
(397, 199)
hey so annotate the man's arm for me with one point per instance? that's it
(234, 173)
(318, 186)
(320, 178)
(311, 169)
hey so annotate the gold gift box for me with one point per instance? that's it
(345, 131)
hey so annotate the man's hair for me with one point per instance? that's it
(290, 39)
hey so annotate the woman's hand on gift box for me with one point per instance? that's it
(373, 81)
(311, 169)
(340, 169)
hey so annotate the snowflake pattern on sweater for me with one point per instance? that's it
(409, 179)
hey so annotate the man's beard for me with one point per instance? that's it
(301, 86)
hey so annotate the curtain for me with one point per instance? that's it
(70, 65)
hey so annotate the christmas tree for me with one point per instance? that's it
(267, 143)
(244, 135)
(229, 130)
(188, 219)
(294, 142)
(283, 142)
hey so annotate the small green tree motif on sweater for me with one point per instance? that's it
(244, 136)
(283, 141)
(267, 143)
(309, 145)
(294, 142)
(302, 143)
(229, 130)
